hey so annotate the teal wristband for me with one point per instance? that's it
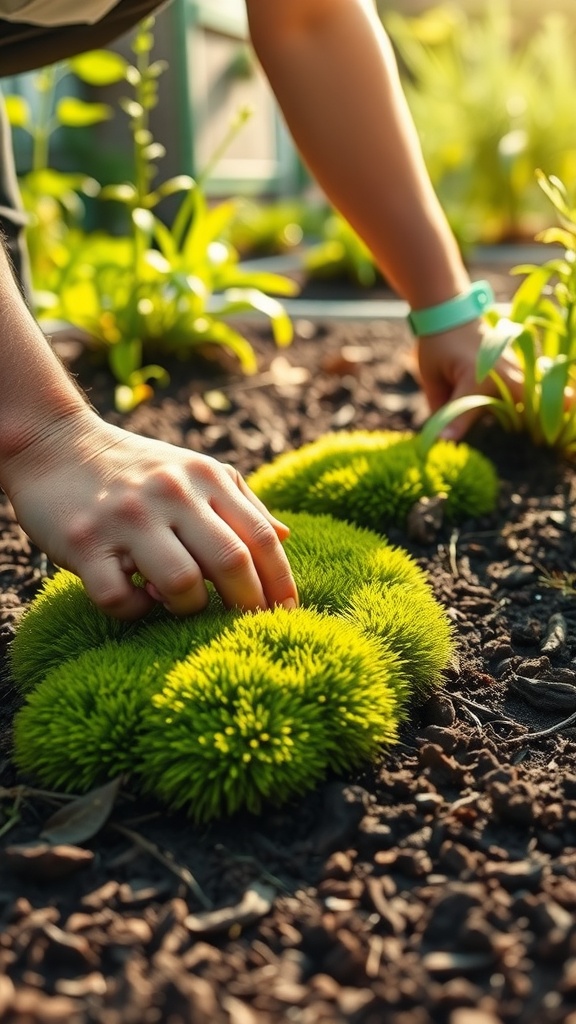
(453, 313)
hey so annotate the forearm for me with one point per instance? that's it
(36, 393)
(333, 71)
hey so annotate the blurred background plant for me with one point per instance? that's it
(53, 199)
(491, 103)
(541, 332)
(152, 291)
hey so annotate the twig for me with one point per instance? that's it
(571, 720)
(482, 707)
(452, 552)
(183, 874)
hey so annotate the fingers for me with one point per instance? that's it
(182, 525)
(241, 555)
(112, 589)
(233, 541)
(282, 531)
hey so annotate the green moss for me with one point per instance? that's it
(225, 710)
(413, 625)
(468, 479)
(80, 726)
(374, 478)
(329, 557)
(172, 639)
(60, 623)
(261, 713)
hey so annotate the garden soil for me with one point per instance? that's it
(438, 886)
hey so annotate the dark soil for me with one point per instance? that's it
(439, 887)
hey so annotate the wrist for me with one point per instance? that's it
(455, 312)
(35, 440)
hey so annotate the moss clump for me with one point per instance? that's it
(80, 726)
(262, 712)
(171, 639)
(60, 623)
(413, 625)
(374, 478)
(329, 559)
(354, 681)
(466, 477)
(225, 710)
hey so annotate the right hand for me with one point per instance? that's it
(104, 503)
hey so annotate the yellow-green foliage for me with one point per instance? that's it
(262, 712)
(171, 639)
(60, 623)
(329, 558)
(225, 710)
(79, 727)
(413, 625)
(466, 477)
(373, 478)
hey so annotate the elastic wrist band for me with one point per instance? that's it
(453, 313)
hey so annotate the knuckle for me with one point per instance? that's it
(81, 533)
(264, 536)
(234, 559)
(131, 508)
(111, 600)
(172, 482)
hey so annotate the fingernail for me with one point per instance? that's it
(289, 603)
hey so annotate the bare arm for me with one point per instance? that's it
(331, 66)
(104, 502)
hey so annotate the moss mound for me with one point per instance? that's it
(80, 726)
(374, 478)
(225, 710)
(262, 712)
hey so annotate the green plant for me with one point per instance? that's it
(52, 198)
(60, 623)
(264, 711)
(490, 103)
(340, 253)
(329, 557)
(155, 291)
(421, 642)
(263, 229)
(225, 710)
(80, 726)
(374, 478)
(541, 332)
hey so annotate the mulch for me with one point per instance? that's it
(436, 887)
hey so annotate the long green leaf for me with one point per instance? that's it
(528, 294)
(552, 386)
(238, 300)
(219, 333)
(494, 344)
(262, 280)
(443, 417)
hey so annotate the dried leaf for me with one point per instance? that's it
(255, 903)
(82, 818)
(44, 862)
(545, 694)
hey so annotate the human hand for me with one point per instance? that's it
(447, 370)
(104, 503)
